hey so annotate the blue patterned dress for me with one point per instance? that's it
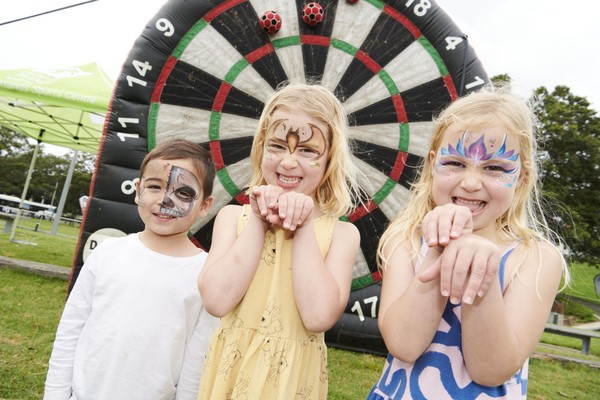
(440, 372)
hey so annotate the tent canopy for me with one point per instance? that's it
(63, 107)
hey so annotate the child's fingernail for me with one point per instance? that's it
(480, 293)
(454, 300)
(443, 239)
(454, 234)
(468, 300)
(445, 293)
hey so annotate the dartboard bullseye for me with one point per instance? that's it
(203, 70)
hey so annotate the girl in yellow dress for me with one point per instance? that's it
(279, 270)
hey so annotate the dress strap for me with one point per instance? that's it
(505, 255)
(246, 210)
(422, 254)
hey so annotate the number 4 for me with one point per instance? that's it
(452, 42)
(141, 67)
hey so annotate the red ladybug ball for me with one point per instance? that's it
(312, 13)
(270, 22)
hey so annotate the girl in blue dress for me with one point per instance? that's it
(470, 268)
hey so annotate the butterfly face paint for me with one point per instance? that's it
(494, 163)
(294, 136)
(175, 189)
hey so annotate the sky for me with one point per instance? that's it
(536, 42)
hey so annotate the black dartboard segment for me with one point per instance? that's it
(203, 71)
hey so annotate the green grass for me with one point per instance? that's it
(351, 374)
(46, 248)
(582, 286)
(550, 379)
(31, 306)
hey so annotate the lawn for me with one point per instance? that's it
(31, 306)
(40, 246)
(583, 278)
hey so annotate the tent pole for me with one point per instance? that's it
(26, 187)
(63, 195)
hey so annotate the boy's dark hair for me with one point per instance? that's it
(177, 149)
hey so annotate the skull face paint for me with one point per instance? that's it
(176, 188)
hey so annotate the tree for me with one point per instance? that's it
(48, 176)
(571, 167)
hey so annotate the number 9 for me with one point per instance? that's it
(165, 26)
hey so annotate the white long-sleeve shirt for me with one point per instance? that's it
(132, 328)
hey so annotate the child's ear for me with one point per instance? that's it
(137, 192)
(432, 159)
(206, 206)
(523, 177)
(431, 155)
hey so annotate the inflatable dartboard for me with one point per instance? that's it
(203, 70)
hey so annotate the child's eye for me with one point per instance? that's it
(276, 147)
(153, 187)
(185, 194)
(308, 152)
(455, 164)
(495, 168)
(500, 169)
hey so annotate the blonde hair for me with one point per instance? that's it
(338, 192)
(524, 221)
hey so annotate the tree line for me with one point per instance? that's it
(570, 131)
(570, 169)
(49, 174)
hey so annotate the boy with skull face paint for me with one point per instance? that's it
(134, 326)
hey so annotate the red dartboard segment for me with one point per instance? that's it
(217, 156)
(162, 79)
(416, 33)
(368, 61)
(399, 166)
(221, 8)
(315, 40)
(221, 97)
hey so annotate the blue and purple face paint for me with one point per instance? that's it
(500, 164)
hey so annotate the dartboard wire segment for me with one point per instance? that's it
(203, 70)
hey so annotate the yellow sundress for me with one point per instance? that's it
(261, 349)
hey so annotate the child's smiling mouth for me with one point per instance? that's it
(289, 180)
(473, 205)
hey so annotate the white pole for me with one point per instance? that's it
(65, 192)
(26, 187)
(54, 193)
